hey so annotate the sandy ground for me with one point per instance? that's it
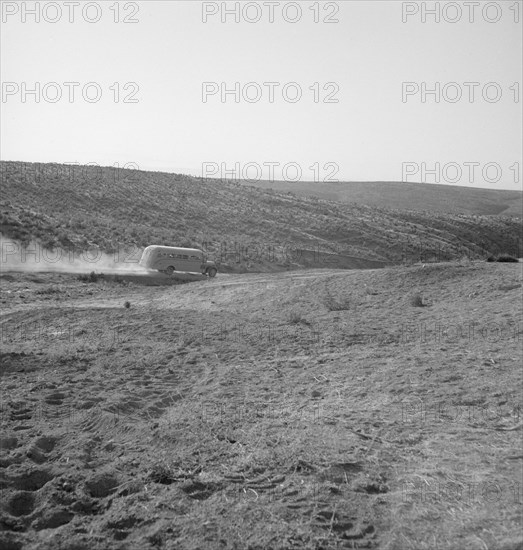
(312, 409)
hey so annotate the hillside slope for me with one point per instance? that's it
(255, 228)
(451, 199)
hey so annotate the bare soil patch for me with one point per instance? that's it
(313, 409)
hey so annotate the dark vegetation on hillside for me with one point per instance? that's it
(79, 208)
(506, 258)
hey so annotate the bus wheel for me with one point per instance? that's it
(212, 272)
(169, 270)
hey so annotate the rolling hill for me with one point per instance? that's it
(242, 227)
(451, 199)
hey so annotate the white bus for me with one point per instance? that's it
(168, 259)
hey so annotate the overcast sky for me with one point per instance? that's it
(359, 66)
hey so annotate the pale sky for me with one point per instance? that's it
(367, 56)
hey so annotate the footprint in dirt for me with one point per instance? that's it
(8, 451)
(40, 448)
(52, 518)
(28, 479)
(345, 527)
(46, 443)
(55, 398)
(198, 490)
(21, 503)
(101, 485)
(20, 411)
(341, 472)
(8, 443)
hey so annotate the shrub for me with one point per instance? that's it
(161, 472)
(506, 258)
(503, 258)
(91, 278)
(295, 318)
(337, 305)
(48, 290)
(119, 280)
(416, 300)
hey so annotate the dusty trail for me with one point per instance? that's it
(198, 294)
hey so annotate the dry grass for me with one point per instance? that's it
(338, 303)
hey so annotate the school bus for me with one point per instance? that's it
(168, 259)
